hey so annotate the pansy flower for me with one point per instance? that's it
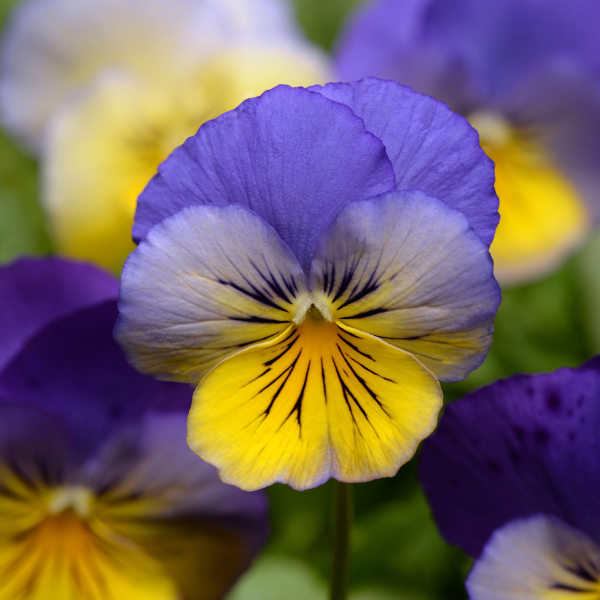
(105, 89)
(100, 497)
(315, 261)
(526, 75)
(513, 477)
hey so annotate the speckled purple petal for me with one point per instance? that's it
(75, 369)
(432, 149)
(36, 291)
(292, 156)
(519, 447)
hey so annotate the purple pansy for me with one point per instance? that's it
(99, 494)
(526, 74)
(296, 255)
(513, 476)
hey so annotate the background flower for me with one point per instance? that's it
(137, 77)
(99, 494)
(515, 466)
(526, 75)
(273, 276)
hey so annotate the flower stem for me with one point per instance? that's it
(342, 523)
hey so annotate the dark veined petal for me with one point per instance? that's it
(73, 368)
(432, 149)
(406, 268)
(521, 446)
(144, 519)
(292, 156)
(205, 283)
(319, 401)
(35, 292)
(538, 558)
(154, 491)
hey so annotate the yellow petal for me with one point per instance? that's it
(542, 217)
(322, 400)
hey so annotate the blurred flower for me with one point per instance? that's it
(105, 89)
(99, 495)
(317, 260)
(526, 74)
(513, 476)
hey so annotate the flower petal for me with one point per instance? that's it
(319, 401)
(408, 269)
(64, 370)
(35, 292)
(270, 155)
(521, 446)
(156, 493)
(205, 283)
(536, 559)
(432, 149)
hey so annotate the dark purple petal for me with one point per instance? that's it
(385, 39)
(432, 149)
(36, 447)
(292, 156)
(75, 369)
(503, 41)
(519, 447)
(37, 291)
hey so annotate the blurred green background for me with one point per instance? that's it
(397, 553)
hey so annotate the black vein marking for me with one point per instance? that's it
(568, 588)
(273, 284)
(346, 279)
(362, 381)
(290, 370)
(255, 294)
(331, 282)
(369, 370)
(369, 287)
(283, 352)
(255, 319)
(583, 572)
(346, 391)
(242, 344)
(323, 378)
(354, 347)
(368, 313)
(298, 405)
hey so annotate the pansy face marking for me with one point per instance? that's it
(100, 496)
(533, 97)
(512, 475)
(316, 336)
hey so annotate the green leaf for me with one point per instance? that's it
(279, 578)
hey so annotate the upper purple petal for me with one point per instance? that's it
(292, 156)
(432, 149)
(521, 446)
(504, 41)
(73, 368)
(463, 50)
(35, 292)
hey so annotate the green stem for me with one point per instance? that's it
(342, 524)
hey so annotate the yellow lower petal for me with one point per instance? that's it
(542, 216)
(322, 400)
